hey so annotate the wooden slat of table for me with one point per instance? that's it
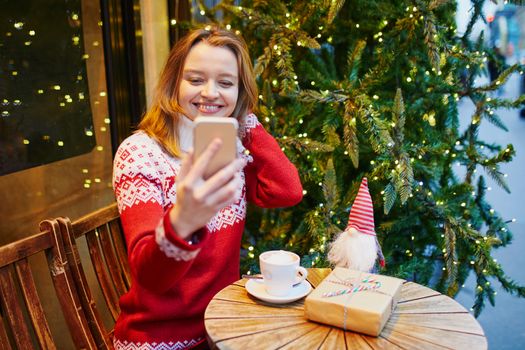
(311, 340)
(423, 319)
(448, 339)
(435, 304)
(413, 291)
(232, 328)
(355, 341)
(227, 309)
(238, 294)
(459, 322)
(338, 338)
(382, 343)
(333, 340)
(404, 341)
(278, 337)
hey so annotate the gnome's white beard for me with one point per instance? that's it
(353, 250)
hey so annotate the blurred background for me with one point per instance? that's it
(505, 31)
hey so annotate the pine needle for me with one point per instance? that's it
(497, 176)
(432, 47)
(354, 61)
(350, 133)
(335, 7)
(330, 191)
(389, 198)
(451, 259)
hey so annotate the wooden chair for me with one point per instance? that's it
(102, 233)
(23, 324)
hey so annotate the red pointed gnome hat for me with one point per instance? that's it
(362, 216)
(362, 212)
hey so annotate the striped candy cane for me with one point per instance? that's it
(360, 288)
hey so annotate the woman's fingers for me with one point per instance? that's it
(200, 164)
(222, 177)
(185, 167)
(226, 195)
(193, 209)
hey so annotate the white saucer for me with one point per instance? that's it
(256, 288)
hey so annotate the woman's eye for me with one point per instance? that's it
(195, 81)
(226, 83)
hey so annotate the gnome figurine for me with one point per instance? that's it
(357, 247)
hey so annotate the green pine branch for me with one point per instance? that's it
(350, 132)
(330, 191)
(451, 260)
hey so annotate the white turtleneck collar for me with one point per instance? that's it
(185, 133)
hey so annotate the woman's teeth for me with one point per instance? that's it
(208, 108)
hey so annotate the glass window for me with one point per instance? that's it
(45, 110)
(55, 151)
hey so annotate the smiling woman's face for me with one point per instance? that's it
(210, 82)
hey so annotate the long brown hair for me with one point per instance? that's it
(162, 119)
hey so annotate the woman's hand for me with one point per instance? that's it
(198, 200)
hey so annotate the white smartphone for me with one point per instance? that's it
(206, 129)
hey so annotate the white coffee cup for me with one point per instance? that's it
(281, 270)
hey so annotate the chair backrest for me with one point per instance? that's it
(23, 323)
(102, 233)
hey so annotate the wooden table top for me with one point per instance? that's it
(423, 319)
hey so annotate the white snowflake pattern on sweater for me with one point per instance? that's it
(139, 163)
(170, 249)
(249, 122)
(231, 214)
(179, 345)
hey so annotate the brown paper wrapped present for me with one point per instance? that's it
(354, 300)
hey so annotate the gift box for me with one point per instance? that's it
(354, 300)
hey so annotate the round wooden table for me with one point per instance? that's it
(423, 319)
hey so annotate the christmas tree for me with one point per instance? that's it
(355, 89)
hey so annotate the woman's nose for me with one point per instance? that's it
(209, 90)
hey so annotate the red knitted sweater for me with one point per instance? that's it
(173, 281)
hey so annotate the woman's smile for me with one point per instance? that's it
(207, 108)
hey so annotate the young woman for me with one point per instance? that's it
(183, 233)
